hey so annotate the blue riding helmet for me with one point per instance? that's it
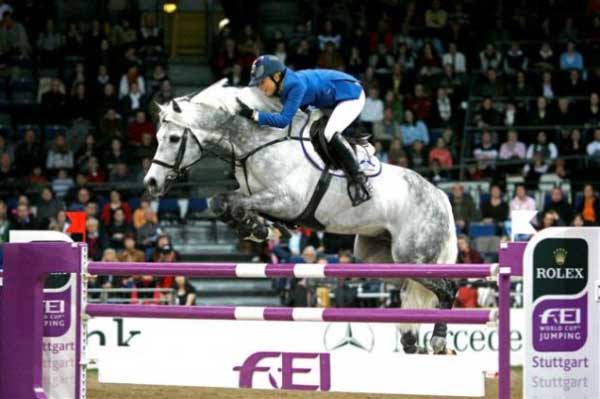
(265, 66)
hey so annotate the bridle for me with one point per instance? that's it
(176, 166)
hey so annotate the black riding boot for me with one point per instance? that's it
(359, 189)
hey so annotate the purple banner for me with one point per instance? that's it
(560, 325)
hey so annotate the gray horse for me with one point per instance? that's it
(408, 220)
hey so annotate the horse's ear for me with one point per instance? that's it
(176, 107)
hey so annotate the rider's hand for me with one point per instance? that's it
(245, 110)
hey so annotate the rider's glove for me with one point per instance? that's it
(246, 111)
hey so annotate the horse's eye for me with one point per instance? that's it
(174, 139)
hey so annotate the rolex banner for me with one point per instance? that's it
(561, 273)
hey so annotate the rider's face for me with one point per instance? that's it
(267, 86)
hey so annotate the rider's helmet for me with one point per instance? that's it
(264, 66)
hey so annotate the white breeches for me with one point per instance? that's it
(343, 115)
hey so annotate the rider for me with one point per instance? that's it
(321, 88)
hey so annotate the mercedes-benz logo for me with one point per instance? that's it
(358, 335)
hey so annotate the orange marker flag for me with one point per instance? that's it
(77, 223)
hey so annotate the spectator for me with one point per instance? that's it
(309, 254)
(545, 58)
(133, 101)
(114, 205)
(522, 201)
(589, 208)
(383, 62)
(578, 221)
(118, 229)
(111, 127)
(91, 209)
(356, 64)
(164, 95)
(564, 115)
(60, 156)
(304, 59)
(6, 147)
(48, 206)
(106, 101)
(512, 115)
(380, 153)
(299, 295)
(492, 86)
(102, 79)
(486, 154)
(515, 59)
(455, 58)
(13, 38)
(548, 89)
(441, 154)
(512, 150)
(115, 154)
(442, 109)
(463, 208)
(140, 126)
(120, 174)
(88, 149)
(185, 293)
(74, 45)
(235, 78)
(521, 88)
(574, 149)
(550, 219)
(495, 209)
(147, 227)
(94, 239)
(487, 115)
(329, 36)
(23, 219)
(413, 130)
(417, 154)
(387, 128)
(593, 150)
(540, 116)
(4, 223)
(330, 58)
(466, 254)
(575, 86)
(36, 179)
(28, 153)
(83, 198)
(95, 174)
(490, 58)
(49, 44)
(8, 174)
(396, 151)
(399, 86)
(591, 115)
(571, 59)
(435, 19)
(151, 36)
(373, 109)
(420, 103)
(542, 146)
(560, 206)
(80, 104)
(130, 253)
(146, 149)
(62, 183)
(132, 79)
(405, 59)
(54, 103)
(393, 102)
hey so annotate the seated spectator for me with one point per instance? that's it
(115, 154)
(130, 253)
(185, 293)
(495, 209)
(442, 114)
(13, 38)
(329, 36)
(521, 87)
(578, 221)
(36, 179)
(23, 219)
(545, 58)
(512, 150)
(589, 208)
(102, 79)
(550, 219)
(309, 254)
(417, 155)
(392, 101)
(373, 109)
(574, 148)
(130, 80)
(541, 115)
(138, 127)
(355, 65)
(106, 101)
(4, 222)
(88, 149)
(515, 59)
(413, 130)
(441, 154)
(94, 239)
(492, 85)
(139, 214)
(303, 58)
(330, 58)
(146, 149)
(383, 63)
(80, 104)
(435, 173)
(420, 103)
(6, 147)
(593, 150)
(564, 115)
(548, 88)
(513, 116)
(59, 156)
(118, 229)
(95, 174)
(48, 206)
(560, 205)
(428, 63)
(387, 128)
(487, 115)
(571, 59)
(49, 44)
(111, 126)
(133, 101)
(112, 206)
(380, 153)
(575, 86)
(54, 103)
(591, 115)
(166, 253)
(396, 151)
(369, 81)
(486, 154)
(148, 232)
(8, 173)
(548, 150)
(405, 59)
(490, 58)
(151, 36)
(62, 184)
(522, 201)
(120, 174)
(74, 40)
(467, 254)
(91, 210)
(455, 58)
(436, 19)
(463, 208)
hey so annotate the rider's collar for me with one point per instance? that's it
(279, 84)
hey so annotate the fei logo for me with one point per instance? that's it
(560, 325)
(286, 370)
(57, 313)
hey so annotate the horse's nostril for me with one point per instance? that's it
(152, 182)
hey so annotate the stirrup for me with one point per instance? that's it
(359, 190)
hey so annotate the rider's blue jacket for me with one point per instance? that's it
(321, 88)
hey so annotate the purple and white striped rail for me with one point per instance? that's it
(365, 315)
(299, 270)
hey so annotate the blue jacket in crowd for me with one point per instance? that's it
(321, 88)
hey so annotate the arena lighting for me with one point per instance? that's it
(170, 7)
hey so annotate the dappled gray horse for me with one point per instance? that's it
(408, 220)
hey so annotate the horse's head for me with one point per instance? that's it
(186, 130)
